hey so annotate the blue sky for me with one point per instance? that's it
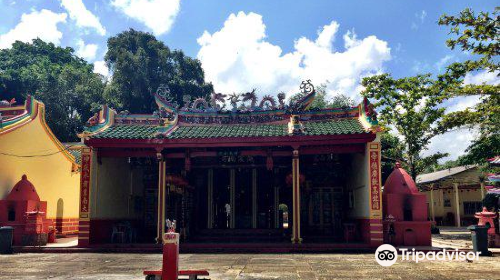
(267, 44)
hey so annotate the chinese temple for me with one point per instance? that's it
(261, 172)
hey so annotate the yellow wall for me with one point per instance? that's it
(51, 175)
(113, 193)
(473, 195)
(359, 185)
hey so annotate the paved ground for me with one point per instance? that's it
(238, 266)
(249, 266)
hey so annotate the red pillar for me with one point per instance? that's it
(162, 168)
(374, 173)
(296, 198)
(85, 189)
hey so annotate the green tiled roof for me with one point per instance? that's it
(330, 127)
(235, 130)
(128, 132)
(77, 153)
(346, 126)
(335, 127)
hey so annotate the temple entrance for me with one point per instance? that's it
(221, 199)
(242, 198)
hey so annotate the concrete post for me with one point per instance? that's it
(433, 215)
(457, 205)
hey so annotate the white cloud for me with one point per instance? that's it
(41, 24)
(462, 103)
(101, 68)
(422, 15)
(86, 51)
(420, 19)
(454, 143)
(158, 15)
(420, 67)
(482, 77)
(443, 61)
(238, 58)
(83, 17)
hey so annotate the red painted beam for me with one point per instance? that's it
(339, 149)
(126, 153)
(286, 141)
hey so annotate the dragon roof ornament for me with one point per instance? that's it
(239, 103)
(245, 108)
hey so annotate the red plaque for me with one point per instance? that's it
(375, 177)
(85, 185)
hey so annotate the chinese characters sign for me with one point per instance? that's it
(374, 171)
(85, 183)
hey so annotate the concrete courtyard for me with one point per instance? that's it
(251, 266)
(240, 266)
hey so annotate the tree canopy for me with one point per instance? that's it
(140, 63)
(321, 101)
(392, 151)
(478, 34)
(54, 75)
(410, 106)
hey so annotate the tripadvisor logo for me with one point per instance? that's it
(387, 255)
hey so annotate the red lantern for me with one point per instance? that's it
(289, 179)
(176, 180)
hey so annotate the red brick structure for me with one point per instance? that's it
(405, 211)
(23, 210)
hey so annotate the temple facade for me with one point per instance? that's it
(255, 172)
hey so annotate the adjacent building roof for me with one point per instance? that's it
(494, 160)
(443, 174)
(75, 149)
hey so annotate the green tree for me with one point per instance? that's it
(64, 82)
(392, 151)
(446, 165)
(478, 34)
(140, 63)
(321, 101)
(410, 106)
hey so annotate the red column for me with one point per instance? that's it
(162, 168)
(85, 188)
(374, 173)
(296, 198)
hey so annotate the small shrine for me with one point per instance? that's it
(487, 218)
(26, 213)
(405, 211)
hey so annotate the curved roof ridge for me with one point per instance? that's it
(31, 110)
